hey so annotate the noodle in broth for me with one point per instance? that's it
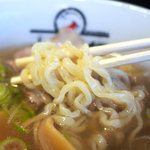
(83, 91)
(92, 107)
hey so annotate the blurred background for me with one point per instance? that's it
(143, 3)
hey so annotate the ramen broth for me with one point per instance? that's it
(116, 140)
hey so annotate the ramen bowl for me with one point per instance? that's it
(98, 22)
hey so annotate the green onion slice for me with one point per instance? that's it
(25, 112)
(13, 144)
(148, 113)
(2, 71)
(5, 72)
(12, 100)
(20, 129)
(4, 92)
(66, 136)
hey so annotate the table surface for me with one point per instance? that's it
(143, 3)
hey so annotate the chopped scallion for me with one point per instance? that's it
(4, 92)
(66, 136)
(12, 101)
(148, 113)
(13, 144)
(20, 129)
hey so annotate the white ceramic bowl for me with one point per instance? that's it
(98, 21)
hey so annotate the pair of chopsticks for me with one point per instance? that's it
(127, 46)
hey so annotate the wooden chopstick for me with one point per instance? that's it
(21, 62)
(101, 50)
(121, 47)
(16, 80)
(110, 62)
(126, 59)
